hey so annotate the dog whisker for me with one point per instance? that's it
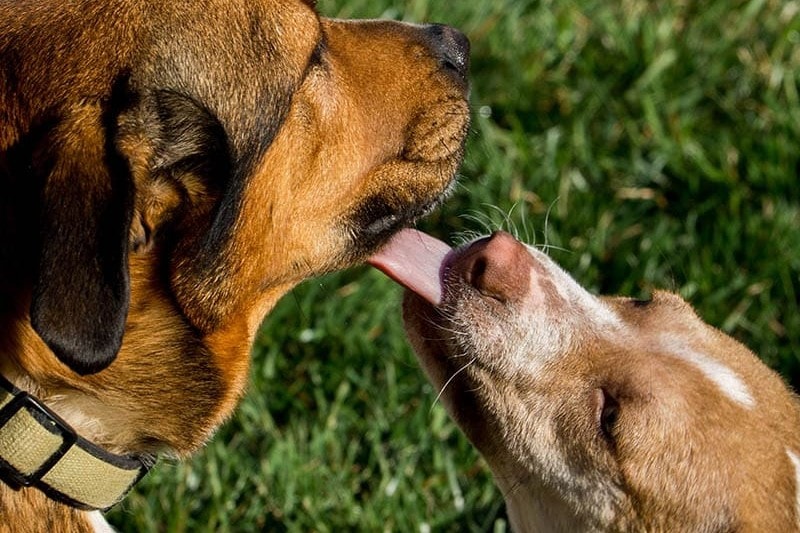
(545, 248)
(453, 333)
(450, 380)
(507, 223)
(487, 225)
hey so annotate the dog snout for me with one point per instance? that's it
(498, 266)
(451, 48)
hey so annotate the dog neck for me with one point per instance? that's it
(38, 448)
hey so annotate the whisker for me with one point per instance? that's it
(546, 246)
(525, 228)
(456, 373)
(481, 219)
(454, 333)
(461, 238)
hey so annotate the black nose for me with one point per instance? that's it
(451, 46)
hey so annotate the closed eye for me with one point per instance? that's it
(606, 414)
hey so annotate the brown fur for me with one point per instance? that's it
(536, 363)
(170, 170)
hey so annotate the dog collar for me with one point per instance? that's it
(38, 448)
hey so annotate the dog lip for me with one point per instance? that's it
(387, 225)
(377, 220)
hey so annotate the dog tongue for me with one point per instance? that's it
(414, 259)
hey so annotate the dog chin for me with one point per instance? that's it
(422, 320)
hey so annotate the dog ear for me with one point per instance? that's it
(192, 141)
(81, 288)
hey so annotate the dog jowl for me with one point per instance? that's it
(169, 170)
(598, 413)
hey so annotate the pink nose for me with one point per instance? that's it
(498, 266)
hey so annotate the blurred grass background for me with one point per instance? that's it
(651, 144)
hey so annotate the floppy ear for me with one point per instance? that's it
(81, 289)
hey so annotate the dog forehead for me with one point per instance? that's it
(256, 50)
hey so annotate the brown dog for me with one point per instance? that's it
(598, 413)
(168, 171)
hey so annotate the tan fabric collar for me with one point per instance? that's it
(37, 448)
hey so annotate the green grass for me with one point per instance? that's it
(649, 146)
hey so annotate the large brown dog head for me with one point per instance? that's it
(173, 168)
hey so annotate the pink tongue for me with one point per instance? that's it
(413, 259)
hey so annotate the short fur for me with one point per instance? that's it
(169, 170)
(592, 412)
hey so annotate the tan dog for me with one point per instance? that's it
(168, 171)
(598, 413)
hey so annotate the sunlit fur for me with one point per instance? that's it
(223, 151)
(705, 437)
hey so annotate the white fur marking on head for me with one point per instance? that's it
(728, 382)
(796, 462)
(596, 313)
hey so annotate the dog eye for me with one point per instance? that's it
(607, 413)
